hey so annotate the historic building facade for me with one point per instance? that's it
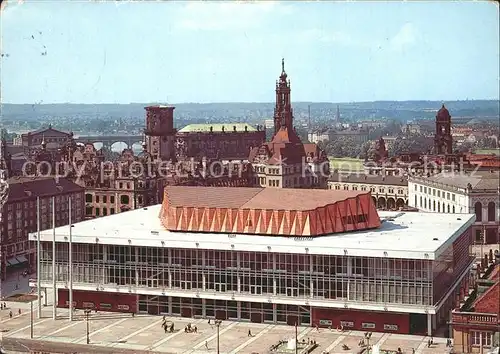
(417, 163)
(159, 133)
(476, 322)
(223, 142)
(53, 138)
(286, 162)
(388, 192)
(19, 215)
(476, 193)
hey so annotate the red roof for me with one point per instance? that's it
(272, 211)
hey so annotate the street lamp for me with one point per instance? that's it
(368, 335)
(31, 319)
(217, 324)
(87, 313)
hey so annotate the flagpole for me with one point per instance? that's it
(54, 295)
(70, 251)
(296, 339)
(38, 255)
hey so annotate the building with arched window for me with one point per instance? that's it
(462, 192)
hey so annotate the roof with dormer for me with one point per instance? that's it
(21, 188)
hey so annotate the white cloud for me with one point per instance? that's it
(319, 35)
(230, 15)
(407, 35)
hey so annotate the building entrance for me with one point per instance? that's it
(256, 312)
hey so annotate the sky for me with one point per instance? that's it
(150, 51)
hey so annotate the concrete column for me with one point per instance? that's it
(238, 310)
(204, 308)
(429, 324)
(310, 276)
(275, 314)
(203, 275)
(169, 276)
(275, 286)
(170, 305)
(136, 260)
(238, 266)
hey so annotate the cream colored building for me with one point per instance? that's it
(472, 192)
(388, 192)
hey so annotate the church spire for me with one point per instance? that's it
(283, 113)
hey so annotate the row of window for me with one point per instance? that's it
(425, 203)
(288, 182)
(124, 199)
(89, 211)
(354, 187)
(45, 203)
(435, 192)
(479, 338)
(492, 211)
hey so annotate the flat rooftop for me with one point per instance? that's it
(478, 180)
(255, 198)
(402, 235)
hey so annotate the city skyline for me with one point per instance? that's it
(231, 52)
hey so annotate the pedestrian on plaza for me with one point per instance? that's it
(10, 314)
(412, 350)
(209, 321)
(206, 345)
(1, 306)
(19, 311)
(249, 333)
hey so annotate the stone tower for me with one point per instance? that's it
(283, 113)
(442, 139)
(159, 132)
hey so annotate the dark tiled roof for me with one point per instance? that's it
(255, 198)
(27, 187)
(480, 180)
(363, 178)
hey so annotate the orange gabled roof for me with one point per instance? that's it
(268, 211)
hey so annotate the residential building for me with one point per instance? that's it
(465, 192)
(313, 257)
(19, 215)
(476, 321)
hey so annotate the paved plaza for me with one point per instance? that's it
(122, 332)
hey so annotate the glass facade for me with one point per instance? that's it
(336, 278)
(451, 264)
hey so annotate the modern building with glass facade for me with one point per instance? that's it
(403, 276)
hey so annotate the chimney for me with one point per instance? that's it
(234, 128)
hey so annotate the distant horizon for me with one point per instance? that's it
(244, 102)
